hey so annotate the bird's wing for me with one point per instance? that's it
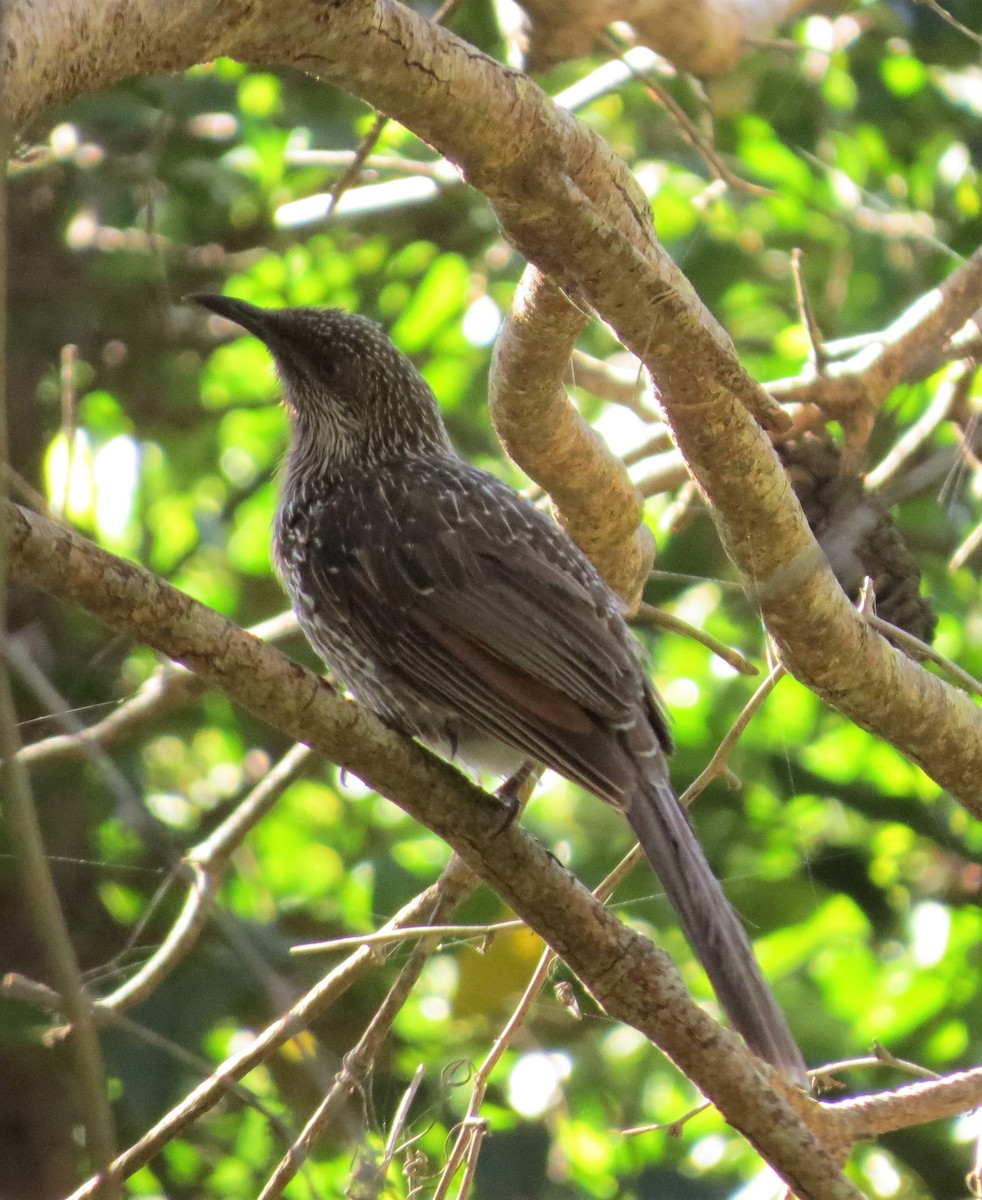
(476, 604)
(481, 605)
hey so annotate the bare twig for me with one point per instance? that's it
(718, 765)
(129, 804)
(170, 687)
(207, 864)
(672, 1128)
(816, 343)
(469, 932)
(690, 131)
(966, 548)
(359, 1062)
(25, 830)
(913, 347)
(353, 170)
(624, 388)
(821, 1075)
(907, 641)
(945, 15)
(648, 614)
(66, 378)
(438, 169)
(456, 880)
(665, 473)
(472, 1129)
(881, 1057)
(951, 392)
(399, 1119)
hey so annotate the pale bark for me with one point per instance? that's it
(703, 37)
(573, 208)
(634, 981)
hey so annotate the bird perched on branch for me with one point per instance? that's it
(464, 616)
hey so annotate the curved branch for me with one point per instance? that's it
(575, 210)
(938, 325)
(863, 1118)
(703, 37)
(596, 502)
(633, 980)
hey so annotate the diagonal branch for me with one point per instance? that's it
(633, 980)
(574, 209)
(595, 500)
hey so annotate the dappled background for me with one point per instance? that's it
(156, 430)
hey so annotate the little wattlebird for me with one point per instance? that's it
(464, 616)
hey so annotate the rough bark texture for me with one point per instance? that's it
(706, 37)
(633, 980)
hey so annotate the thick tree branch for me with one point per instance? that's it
(596, 501)
(634, 981)
(937, 326)
(704, 37)
(864, 1118)
(573, 208)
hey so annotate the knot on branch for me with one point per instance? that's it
(857, 533)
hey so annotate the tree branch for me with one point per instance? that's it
(633, 980)
(863, 1118)
(706, 37)
(596, 502)
(573, 207)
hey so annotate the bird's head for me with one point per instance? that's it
(353, 397)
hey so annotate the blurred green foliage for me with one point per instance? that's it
(860, 881)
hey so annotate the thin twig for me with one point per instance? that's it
(806, 311)
(399, 1120)
(672, 1128)
(66, 377)
(945, 15)
(659, 442)
(407, 934)
(25, 831)
(128, 802)
(438, 168)
(352, 171)
(950, 393)
(966, 549)
(18, 486)
(168, 688)
(690, 131)
(616, 386)
(648, 614)
(881, 1057)
(207, 864)
(718, 764)
(472, 1127)
(359, 1063)
(907, 641)
(457, 879)
(912, 347)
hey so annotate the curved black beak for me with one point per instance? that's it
(256, 320)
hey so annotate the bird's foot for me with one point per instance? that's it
(515, 790)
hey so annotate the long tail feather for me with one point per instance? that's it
(710, 924)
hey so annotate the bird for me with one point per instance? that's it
(467, 618)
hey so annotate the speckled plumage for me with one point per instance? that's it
(464, 616)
